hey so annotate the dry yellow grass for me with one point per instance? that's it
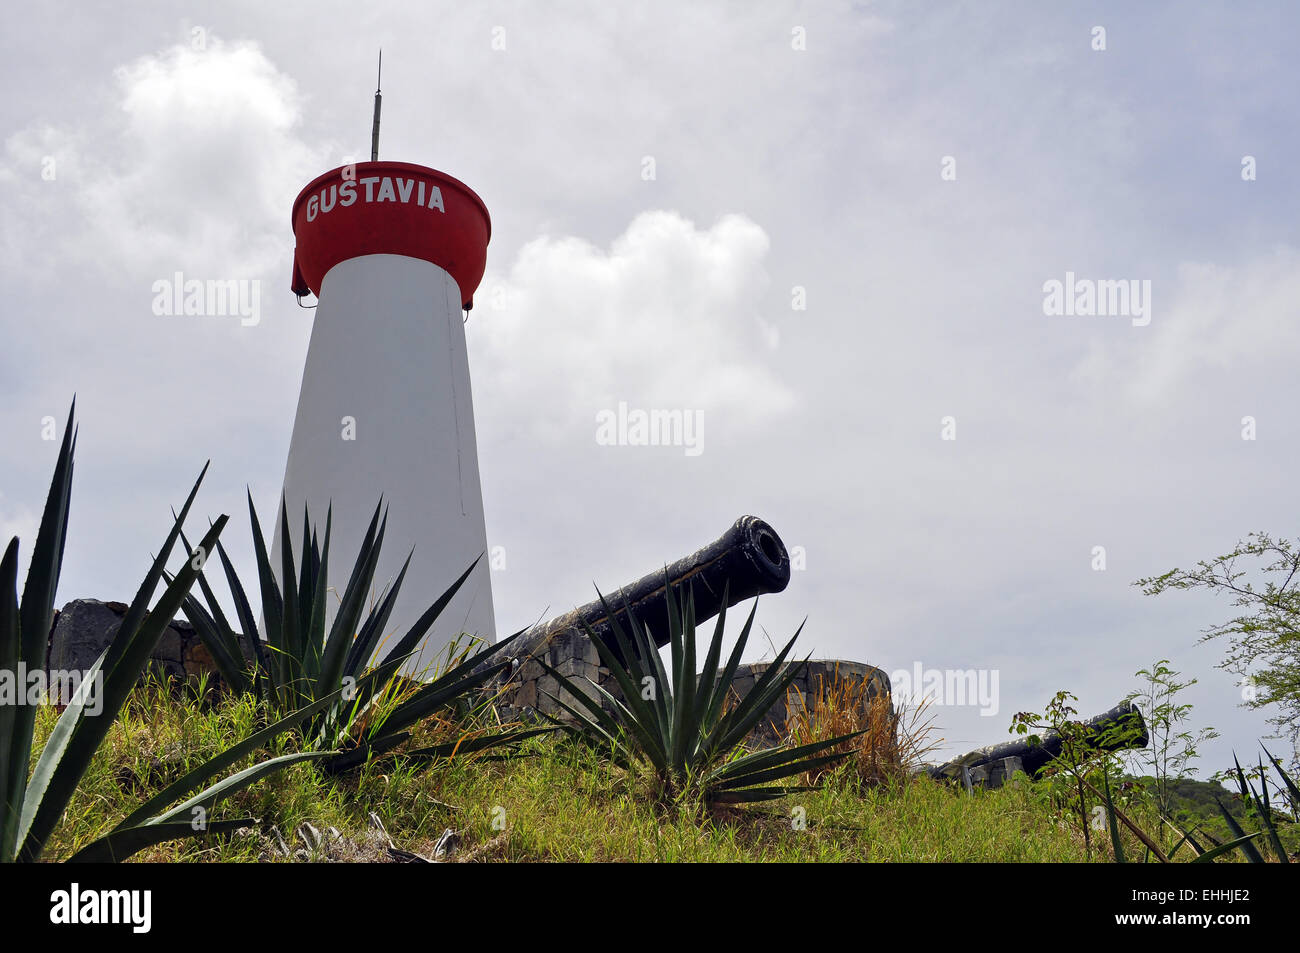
(894, 742)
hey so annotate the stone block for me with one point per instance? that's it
(83, 630)
(526, 696)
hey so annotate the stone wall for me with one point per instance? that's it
(84, 627)
(817, 675)
(530, 689)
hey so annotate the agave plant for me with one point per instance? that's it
(1114, 817)
(31, 807)
(304, 659)
(1260, 804)
(686, 731)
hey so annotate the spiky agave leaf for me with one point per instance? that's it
(76, 738)
(194, 780)
(24, 629)
(683, 730)
(739, 779)
(248, 623)
(312, 592)
(1243, 842)
(302, 662)
(1242, 839)
(31, 807)
(603, 727)
(149, 824)
(1293, 792)
(1185, 837)
(459, 682)
(12, 781)
(272, 611)
(215, 631)
(407, 645)
(351, 606)
(1260, 801)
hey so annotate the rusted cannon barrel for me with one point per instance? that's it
(1033, 757)
(747, 560)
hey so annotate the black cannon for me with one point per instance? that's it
(1131, 732)
(747, 560)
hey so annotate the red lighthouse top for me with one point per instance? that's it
(390, 208)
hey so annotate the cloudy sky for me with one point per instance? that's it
(825, 229)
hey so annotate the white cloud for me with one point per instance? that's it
(668, 317)
(1214, 318)
(1227, 317)
(149, 185)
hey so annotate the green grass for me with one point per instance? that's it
(558, 801)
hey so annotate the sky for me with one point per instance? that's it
(827, 231)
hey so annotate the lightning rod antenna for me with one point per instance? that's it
(374, 129)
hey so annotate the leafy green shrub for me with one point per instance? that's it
(1086, 760)
(1172, 747)
(1262, 646)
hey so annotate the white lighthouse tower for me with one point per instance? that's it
(393, 252)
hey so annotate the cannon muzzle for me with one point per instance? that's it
(747, 560)
(1116, 730)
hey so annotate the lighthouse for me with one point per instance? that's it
(393, 253)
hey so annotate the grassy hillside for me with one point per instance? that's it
(556, 801)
